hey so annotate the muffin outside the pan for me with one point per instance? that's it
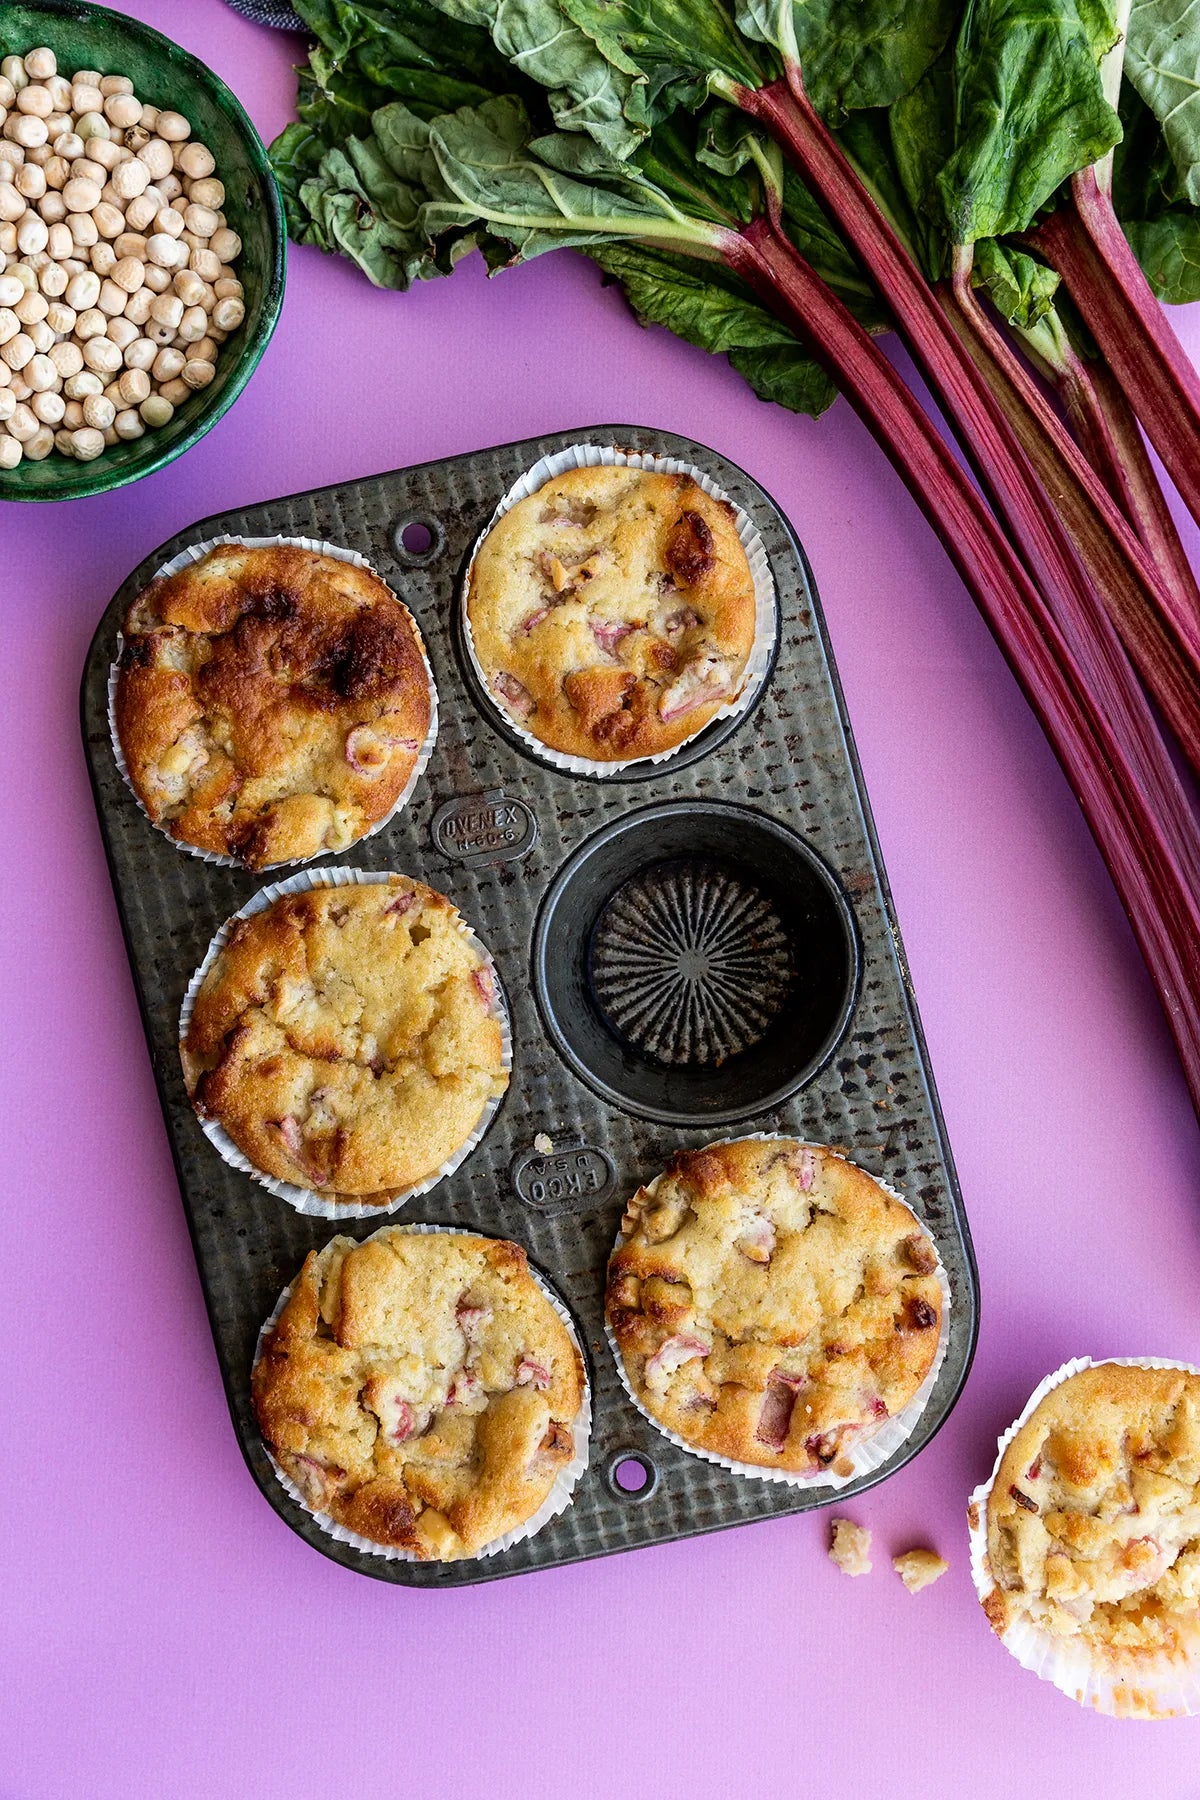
(612, 612)
(1092, 1538)
(271, 703)
(420, 1390)
(773, 1305)
(346, 1038)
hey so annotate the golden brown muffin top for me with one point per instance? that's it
(613, 611)
(1093, 1521)
(772, 1303)
(420, 1389)
(346, 1038)
(270, 703)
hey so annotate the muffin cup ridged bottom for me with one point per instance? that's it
(556, 1501)
(869, 1453)
(193, 553)
(1154, 1689)
(766, 616)
(307, 1200)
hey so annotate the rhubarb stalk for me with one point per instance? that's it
(1158, 618)
(1155, 888)
(1083, 240)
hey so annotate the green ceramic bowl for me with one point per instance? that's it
(90, 37)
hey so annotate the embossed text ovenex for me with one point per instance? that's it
(555, 871)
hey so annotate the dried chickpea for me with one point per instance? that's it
(67, 359)
(79, 386)
(137, 307)
(12, 202)
(109, 219)
(129, 275)
(122, 110)
(193, 325)
(83, 230)
(91, 323)
(30, 180)
(176, 392)
(41, 334)
(48, 407)
(31, 307)
(130, 243)
(36, 99)
(33, 234)
(139, 214)
(197, 374)
(135, 387)
(60, 317)
(158, 279)
(130, 179)
(112, 299)
(168, 364)
(88, 443)
(86, 96)
(10, 451)
(128, 425)
(101, 355)
(41, 374)
(142, 353)
(104, 259)
(22, 424)
(157, 157)
(92, 125)
(155, 411)
(123, 332)
(64, 439)
(115, 84)
(59, 241)
(19, 350)
(228, 314)
(98, 412)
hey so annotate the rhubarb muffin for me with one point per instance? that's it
(348, 1038)
(772, 1304)
(612, 612)
(1093, 1520)
(420, 1390)
(270, 704)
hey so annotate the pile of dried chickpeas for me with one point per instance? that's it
(117, 283)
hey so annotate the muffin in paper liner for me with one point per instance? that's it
(556, 1501)
(869, 1453)
(766, 615)
(1136, 1687)
(194, 553)
(308, 1200)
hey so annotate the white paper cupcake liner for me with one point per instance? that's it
(1151, 1689)
(307, 1200)
(758, 665)
(556, 1501)
(192, 554)
(869, 1453)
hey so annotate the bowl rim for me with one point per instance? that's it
(272, 301)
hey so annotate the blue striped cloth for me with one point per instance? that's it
(269, 12)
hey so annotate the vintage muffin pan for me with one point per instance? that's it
(689, 950)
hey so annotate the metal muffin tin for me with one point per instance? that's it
(771, 821)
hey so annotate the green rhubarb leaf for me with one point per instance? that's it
(1020, 288)
(1168, 249)
(1162, 61)
(853, 54)
(591, 86)
(1029, 111)
(490, 173)
(357, 206)
(706, 305)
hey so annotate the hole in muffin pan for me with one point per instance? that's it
(696, 963)
(631, 1475)
(416, 541)
(703, 744)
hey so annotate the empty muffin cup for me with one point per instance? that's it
(696, 962)
(505, 703)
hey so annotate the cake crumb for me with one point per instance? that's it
(917, 1568)
(850, 1547)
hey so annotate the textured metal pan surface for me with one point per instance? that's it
(791, 759)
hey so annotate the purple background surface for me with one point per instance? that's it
(163, 1633)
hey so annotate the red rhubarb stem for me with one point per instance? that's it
(1157, 895)
(1083, 240)
(989, 441)
(1111, 439)
(1159, 627)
